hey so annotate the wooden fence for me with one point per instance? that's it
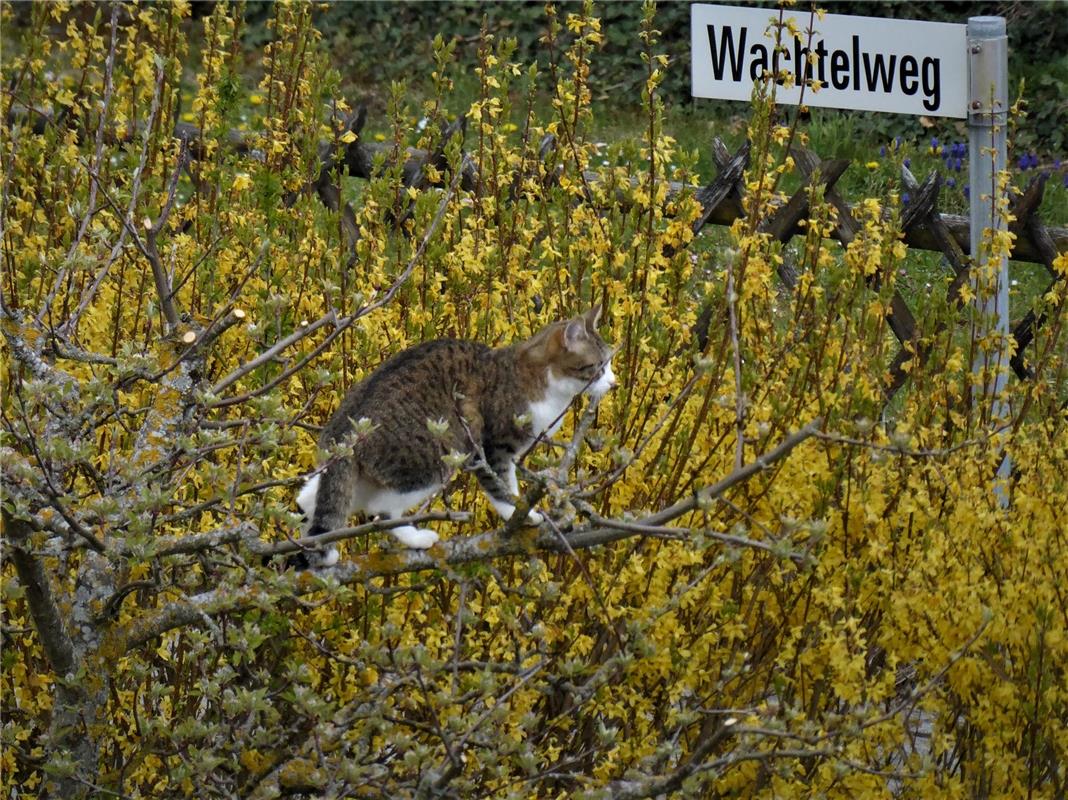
(924, 227)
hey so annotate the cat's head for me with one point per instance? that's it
(575, 353)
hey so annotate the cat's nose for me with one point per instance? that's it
(610, 377)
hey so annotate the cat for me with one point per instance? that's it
(449, 397)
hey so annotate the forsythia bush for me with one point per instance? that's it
(192, 277)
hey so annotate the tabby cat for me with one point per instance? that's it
(449, 397)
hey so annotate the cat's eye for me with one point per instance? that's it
(590, 370)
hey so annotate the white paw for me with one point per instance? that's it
(534, 518)
(504, 510)
(416, 538)
(327, 558)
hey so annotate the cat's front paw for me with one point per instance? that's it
(324, 558)
(535, 519)
(416, 538)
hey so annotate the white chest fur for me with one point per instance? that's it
(547, 414)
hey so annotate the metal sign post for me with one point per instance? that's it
(988, 107)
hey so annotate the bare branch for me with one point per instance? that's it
(739, 394)
(340, 326)
(46, 616)
(479, 548)
(70, 327)
(736, 477)
(272, 352)
(98, 154)
(159, 275)
(572, 449)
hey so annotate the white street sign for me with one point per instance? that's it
(861, 63)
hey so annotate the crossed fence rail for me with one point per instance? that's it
(923, 227)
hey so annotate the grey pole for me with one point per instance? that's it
(988, 106)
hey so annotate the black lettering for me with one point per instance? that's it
(910, 70)
(932, 86)
(779, 51)
(758, 62)
(802, 70)
(821, 54)
(840, 69)
(856, 63)
(719, 57)
(879, 72)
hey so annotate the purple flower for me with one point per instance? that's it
(951, 182)
(905, 198)
(967, 193)
(907, 162)
(1066, 180)
(958, 164)
(897, 142)
(1056, 163)
(1022, 162)
(1034, 161)
(882, 151)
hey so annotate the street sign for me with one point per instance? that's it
(860, 63)
(936, 69)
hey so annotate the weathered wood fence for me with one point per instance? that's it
(924, 227)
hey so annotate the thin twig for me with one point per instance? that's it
(71, 326)
(98, 154)
(739, 397)
(272, 352)
(340, 325)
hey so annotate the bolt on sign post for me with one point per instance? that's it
(899, 66)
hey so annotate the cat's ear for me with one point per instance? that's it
(574, 333)
(592, 318)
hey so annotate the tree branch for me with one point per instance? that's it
(481, 547)
(46, 616)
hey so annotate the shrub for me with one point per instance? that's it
(759, 580)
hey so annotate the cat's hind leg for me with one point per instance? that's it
(327, 498)
(502, 488)
(391, 504)
(306, 498)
